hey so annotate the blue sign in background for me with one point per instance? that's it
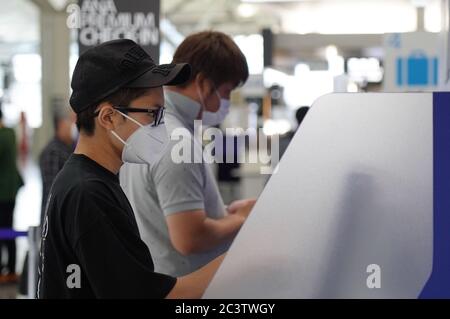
(417, 70)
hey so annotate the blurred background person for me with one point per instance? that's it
(10, 182)
(300, 114)
(57, 151)
(23, 139)
(51, 161)
(286, 139)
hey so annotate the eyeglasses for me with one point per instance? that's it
(156, 114)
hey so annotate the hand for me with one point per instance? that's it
(241, 207)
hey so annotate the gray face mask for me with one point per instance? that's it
(214, 118)
(145, 145)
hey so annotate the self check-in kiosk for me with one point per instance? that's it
(358, 207)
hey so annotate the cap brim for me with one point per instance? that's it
(164, 74)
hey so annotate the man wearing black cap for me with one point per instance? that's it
(90, 241)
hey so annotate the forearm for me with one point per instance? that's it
(193, 232)
(193, 286)
(217, 231)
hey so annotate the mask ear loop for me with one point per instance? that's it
(137, 123)
(218, 94)
(202, 100)
(118, 137)
(202, 103)
(132, 120)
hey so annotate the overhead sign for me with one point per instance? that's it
(104, 20)
(412, 62)
(417, 69)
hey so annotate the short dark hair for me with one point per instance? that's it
(215, 55)
(122, 97)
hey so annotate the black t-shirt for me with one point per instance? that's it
(90, 245)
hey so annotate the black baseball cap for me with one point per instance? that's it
(103, 69)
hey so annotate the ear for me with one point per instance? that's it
(107, 117)
(203, 83)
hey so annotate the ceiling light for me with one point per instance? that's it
(246, 10)
(262, 1)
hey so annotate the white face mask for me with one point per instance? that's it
(215, 118)
(145, 145)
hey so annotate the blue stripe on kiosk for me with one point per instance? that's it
(438, 285)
